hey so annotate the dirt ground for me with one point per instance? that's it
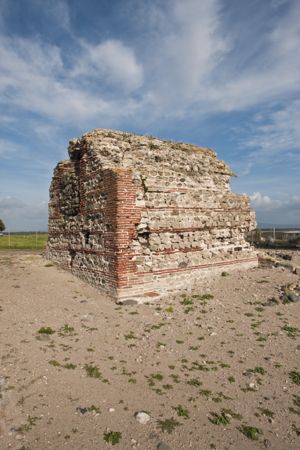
(219, 370)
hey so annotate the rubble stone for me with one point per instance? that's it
(141, 218)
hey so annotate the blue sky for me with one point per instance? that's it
(223, 74)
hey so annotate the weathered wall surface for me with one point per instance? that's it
(140, 218)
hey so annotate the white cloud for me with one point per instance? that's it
(269, 211)
(10, 203)
(264, 202)
(189, 66)
(196, 66)
(277, 130)
(272, 138)
(7, 148)
(258, 199)
(33, 77)
(20, 216)
(184, 55)
(114, 62)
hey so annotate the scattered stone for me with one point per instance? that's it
(252, 385)
(293, 298)
(128, 302)
(163, 446)
(142, 417)
(82, 410)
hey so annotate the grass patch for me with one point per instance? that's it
(219, 419)
(168, 425)
(206, 297)
(92, 371)
(156, 376)
(194, 382)
(296, 400)
(54, 363)
(295, 377)
(69, 366)
(66, 330)
(292, 332)
(46, 330)
(187, 301)
(130, 335)
(30, 241)
(257, 369)
(112, 437)
(231, 413)
(181, 411)
(266, 412)
(31, 421)
(250, 432)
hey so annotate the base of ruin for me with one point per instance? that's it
(162, 284)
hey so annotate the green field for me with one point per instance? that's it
(30, 241)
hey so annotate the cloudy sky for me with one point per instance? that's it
(223, 74)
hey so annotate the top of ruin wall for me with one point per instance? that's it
(120, 150)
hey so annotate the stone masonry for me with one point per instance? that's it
(141, 218)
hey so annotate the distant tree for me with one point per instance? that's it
(2, 226)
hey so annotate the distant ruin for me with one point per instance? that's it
(141, 218)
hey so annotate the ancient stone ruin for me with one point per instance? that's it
(140, 218)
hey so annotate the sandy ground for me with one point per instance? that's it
(204, 368)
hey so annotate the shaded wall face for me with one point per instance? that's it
(82, 225)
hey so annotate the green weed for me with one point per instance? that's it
(219, 419)
(69, 366)
(181, 411)
(266, 412)
(112, 437)
(168, 425)
(295, 377)
(92, 371)
(194, 382)
(66, 330)
(292, 332)
(46, 330)
(250, 432)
